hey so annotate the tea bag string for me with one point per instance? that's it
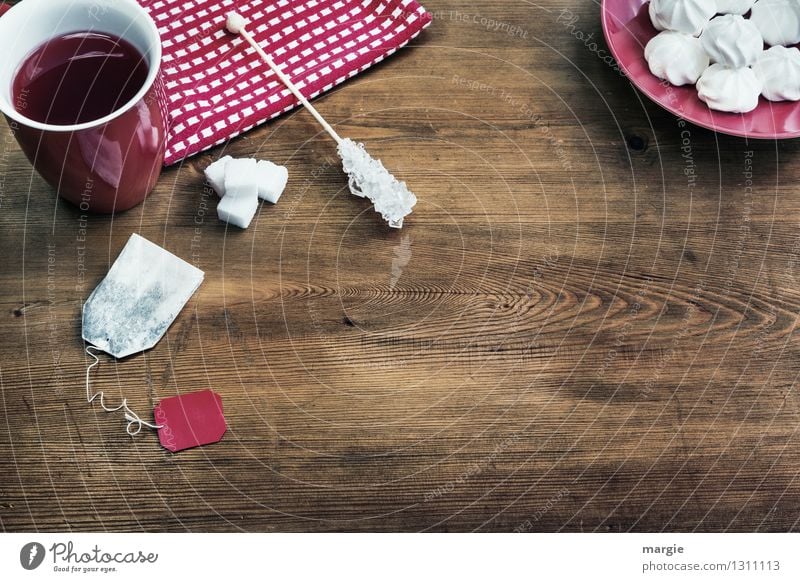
(135, 423)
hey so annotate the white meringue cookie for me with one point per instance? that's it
(733, 90)
(689, 16)
(734, 6)
(676, 57)
(778, 21)
(732, 41)
(778, 69)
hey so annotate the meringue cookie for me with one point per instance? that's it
(734, 6)
(778, 69)
(689, 16)
(778, 21)
(732, 41)
(676, 57)
(733, 90)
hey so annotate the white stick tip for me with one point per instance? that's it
(235, 22)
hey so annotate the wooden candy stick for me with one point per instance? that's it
(237, 24)
(367, 176)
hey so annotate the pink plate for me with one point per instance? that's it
(627, 28)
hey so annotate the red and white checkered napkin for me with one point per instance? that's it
(217, 89)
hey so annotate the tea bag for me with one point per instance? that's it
(145, 289)
(131, 309)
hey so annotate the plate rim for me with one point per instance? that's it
(605, 16)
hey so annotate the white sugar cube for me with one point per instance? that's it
(247, 178)
(238, 211)
(241, 178)
(272, 180)
(215, 174)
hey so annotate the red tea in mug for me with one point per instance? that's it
(78, 78)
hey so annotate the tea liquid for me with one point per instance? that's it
(77, 78)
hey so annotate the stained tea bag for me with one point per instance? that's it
(131, 309)
(145, 289)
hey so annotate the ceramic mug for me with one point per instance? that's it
(112, 163)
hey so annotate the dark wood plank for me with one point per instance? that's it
(588, 324)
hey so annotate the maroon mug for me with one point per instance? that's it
(109, 164)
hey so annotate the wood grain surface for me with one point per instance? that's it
(588, 323)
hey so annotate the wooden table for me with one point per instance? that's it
(588, 323)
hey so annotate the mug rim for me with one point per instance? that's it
(152, 73)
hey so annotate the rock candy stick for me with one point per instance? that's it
(367, 176)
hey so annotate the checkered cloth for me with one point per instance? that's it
(217, 87)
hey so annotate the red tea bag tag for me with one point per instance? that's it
(190, 420)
